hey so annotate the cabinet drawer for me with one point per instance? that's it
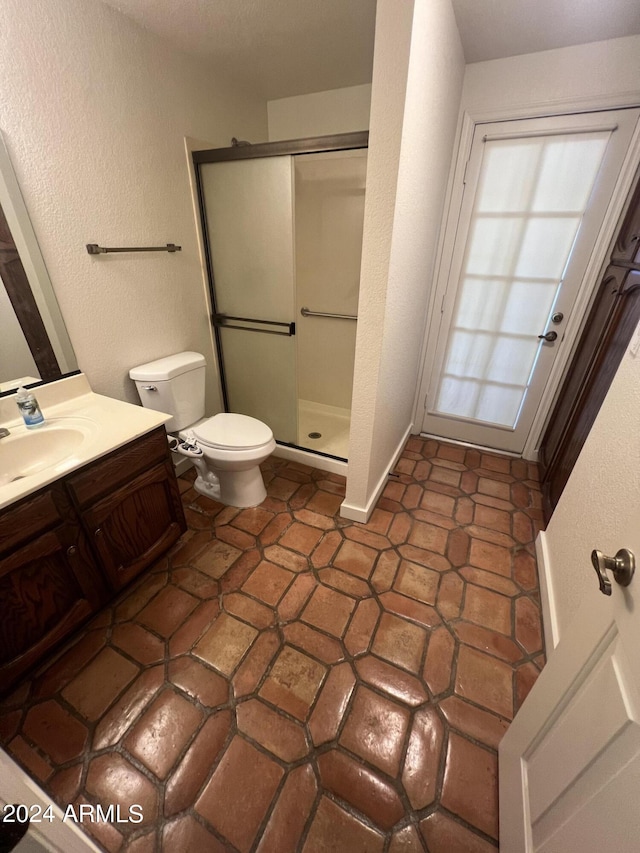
(118, 467)
(23, 521)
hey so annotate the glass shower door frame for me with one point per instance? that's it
(220, 320)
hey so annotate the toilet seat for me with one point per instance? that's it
(230, 431)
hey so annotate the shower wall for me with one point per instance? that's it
(329, 211)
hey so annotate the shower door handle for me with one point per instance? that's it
(220, 321)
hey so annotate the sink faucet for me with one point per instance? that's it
(3, 432)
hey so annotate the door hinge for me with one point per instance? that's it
(426, 397)
(466, 167)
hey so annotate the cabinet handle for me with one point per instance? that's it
(101, 544)
(73, 555)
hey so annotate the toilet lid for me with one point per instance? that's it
(230, 430)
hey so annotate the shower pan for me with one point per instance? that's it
(282, 224)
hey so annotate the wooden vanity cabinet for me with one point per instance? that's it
(130, 506)
(66, 550)
(49, 580)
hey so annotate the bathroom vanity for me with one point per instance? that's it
(69, 544)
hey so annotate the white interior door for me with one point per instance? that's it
(570, 762)
(536, 192)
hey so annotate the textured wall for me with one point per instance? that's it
(582, 71)
(321, 113)
(95, 111)
(602, 497)
(412, 136)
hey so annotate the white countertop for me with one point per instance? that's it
(109, 424)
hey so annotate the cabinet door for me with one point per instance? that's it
(46, 589)
(137, 523)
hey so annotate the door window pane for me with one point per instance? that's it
(469, 354)
(509, 171)
(528, 307)
(459, 396)
(511, 360)
(565, 163)
(498, 404)
(493, 244)
(481, 303)
(545, 247)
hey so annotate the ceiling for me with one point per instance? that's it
(279, 48)
(491, 29)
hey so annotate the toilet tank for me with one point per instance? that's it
(174, 385)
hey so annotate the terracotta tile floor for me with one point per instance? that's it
(288, 680)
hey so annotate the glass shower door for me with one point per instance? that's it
(329, 217)
(248, 206)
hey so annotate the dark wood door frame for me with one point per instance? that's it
(610, 325)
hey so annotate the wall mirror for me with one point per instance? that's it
(34, 344)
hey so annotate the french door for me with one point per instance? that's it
(536, 192)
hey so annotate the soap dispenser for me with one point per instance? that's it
(29, 408)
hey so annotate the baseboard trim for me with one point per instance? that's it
(354, 513)
(362, 513)
(547, 598)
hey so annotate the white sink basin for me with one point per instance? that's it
(58, 441)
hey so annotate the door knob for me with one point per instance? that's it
(550, 336)
(623, 565)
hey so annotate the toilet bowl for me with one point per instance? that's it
(232, 448)
(226, 449)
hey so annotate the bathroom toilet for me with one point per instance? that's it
(227, 449)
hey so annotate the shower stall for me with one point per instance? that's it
(282, 225)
